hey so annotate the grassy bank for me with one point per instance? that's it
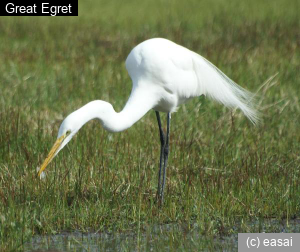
(222, 172)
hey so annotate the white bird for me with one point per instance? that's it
(164, 76)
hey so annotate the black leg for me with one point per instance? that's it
(162, 142)
(166, 155)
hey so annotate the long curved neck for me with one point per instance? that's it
(136, 107)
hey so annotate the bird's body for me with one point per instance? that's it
(164, 75)
(169, 78)
(171, 74)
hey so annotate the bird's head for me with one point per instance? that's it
(73, 122)
(67, 130)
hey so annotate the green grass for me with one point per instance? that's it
(223, 172)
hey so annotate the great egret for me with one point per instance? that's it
(164, 75)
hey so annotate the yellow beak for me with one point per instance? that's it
(51, 153)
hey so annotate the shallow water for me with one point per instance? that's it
(173, 237)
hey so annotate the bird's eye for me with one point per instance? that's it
(68, 132)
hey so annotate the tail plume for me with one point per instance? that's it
(216, 85)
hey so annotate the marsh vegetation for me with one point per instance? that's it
(223, 172)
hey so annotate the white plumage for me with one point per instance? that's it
(164, 75)
(172, 74)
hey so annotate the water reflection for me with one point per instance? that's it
(173, 237)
